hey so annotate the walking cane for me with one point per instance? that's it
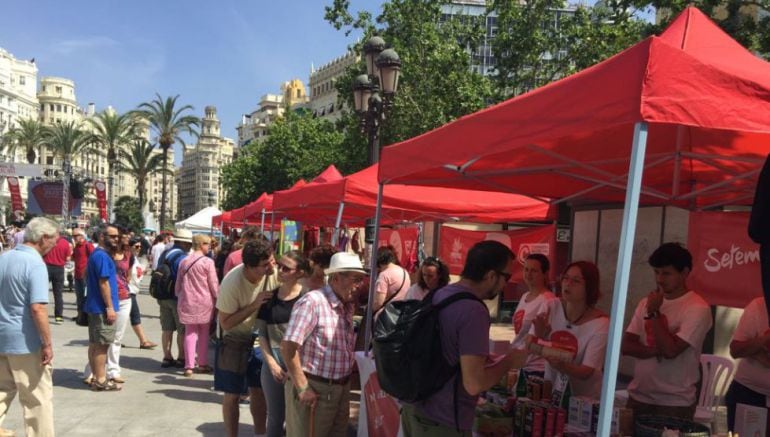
(311, 429)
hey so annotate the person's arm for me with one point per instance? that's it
(212, 280)
(380, 293)
(477, 377)
(267, 353)
(669, 345)
(633, 347)
(230, 320)
(106, 291)
(578, 371)
(305, 393)
(40, 318)
(750, 348)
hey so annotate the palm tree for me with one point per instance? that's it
(168, 122)
(30, 134)
(140, 162)
(112, 132)
(67, 141)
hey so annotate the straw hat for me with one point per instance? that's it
(183, 236)
(345, 262)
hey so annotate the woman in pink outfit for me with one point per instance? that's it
(196, 290)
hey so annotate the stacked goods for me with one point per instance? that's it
(538, 419)
(493, 421)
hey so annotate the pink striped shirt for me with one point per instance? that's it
(323, 327)
(196, 289)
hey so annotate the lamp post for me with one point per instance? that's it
(373, 95)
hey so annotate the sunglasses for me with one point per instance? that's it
(113, 235)
(284, 268)
(505, 275)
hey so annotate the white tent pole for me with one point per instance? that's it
(262, 223)
(272, 226)
(620, 291)
(337, 223)
(369, 324)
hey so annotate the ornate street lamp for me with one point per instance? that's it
(383, 67)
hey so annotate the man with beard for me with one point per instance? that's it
(102, 306)
(464, 328)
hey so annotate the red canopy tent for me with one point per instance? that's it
(356, 195)
(256, 209)
(692, 99)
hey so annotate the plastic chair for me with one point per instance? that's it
(717, 376)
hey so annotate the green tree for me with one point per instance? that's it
(299, 146)
(30, 134)
(67, 141)
(140, 162)
(168, 121)
(436, 84)
(112, 132)
(128, 213)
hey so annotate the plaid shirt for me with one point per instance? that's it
(323, 327)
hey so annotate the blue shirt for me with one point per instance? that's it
(100, 266)
(23, 281)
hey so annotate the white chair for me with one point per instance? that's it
(717, 376)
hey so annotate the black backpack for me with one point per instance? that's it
(407, 348)
(162, 281)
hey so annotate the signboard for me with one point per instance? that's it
(725, 268)
(101, 199)
(404, 241)
(17, 205)
(19, 169)
(46, 198)
(455, 244)
(379, 414)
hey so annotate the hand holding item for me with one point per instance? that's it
(307, 397)
(654, 301)
(542, 324)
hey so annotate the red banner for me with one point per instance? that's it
(455, 243)
(17, 205)
(101, 198)
(404, 240)
(725, 267)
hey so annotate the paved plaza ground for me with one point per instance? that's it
(153, 402)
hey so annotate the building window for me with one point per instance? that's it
(50, 107)
(58, 89)
(58, 108)
(22, 80)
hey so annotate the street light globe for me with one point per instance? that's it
(372, 49)
(362, 90)
(389, 65)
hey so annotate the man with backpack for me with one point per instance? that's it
(162, 286)
(464, 337)
(80, 253)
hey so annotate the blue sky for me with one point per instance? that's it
(225, 53)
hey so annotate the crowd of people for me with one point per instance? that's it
(286, 332)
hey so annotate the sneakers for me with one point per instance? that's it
(58, 320)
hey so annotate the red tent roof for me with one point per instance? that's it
(254, 209)
(318, 203)
(705, 98)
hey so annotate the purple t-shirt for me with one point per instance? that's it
(464, 331)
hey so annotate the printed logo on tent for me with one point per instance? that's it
(381, 409)
(526, 249)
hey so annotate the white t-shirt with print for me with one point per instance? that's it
(522, 323)
(588, 340)
(753, 323)
(671, 382)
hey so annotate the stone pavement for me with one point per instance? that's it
(154, 401)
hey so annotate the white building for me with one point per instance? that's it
(255, 125)
(324, 99)
(198, 179)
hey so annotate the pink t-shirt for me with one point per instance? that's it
(393, 281)
(234, 259)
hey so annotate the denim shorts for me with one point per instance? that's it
(232, 382)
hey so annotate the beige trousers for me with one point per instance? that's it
(332, 411)
(23, 374)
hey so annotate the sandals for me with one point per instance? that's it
(167, 362)
(179, 363)
(118, 380)
(148, 345)
(204, 369)
(105, 386)
(188, 373)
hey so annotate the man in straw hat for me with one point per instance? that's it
(169, 318)
(319, 391)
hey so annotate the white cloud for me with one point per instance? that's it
(70, 46)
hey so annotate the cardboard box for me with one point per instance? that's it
(750, 421)
(622, 421)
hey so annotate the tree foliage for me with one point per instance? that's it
(30, 134)
(140, 162)
(298, 146)
(128, 213)
(436, 84)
